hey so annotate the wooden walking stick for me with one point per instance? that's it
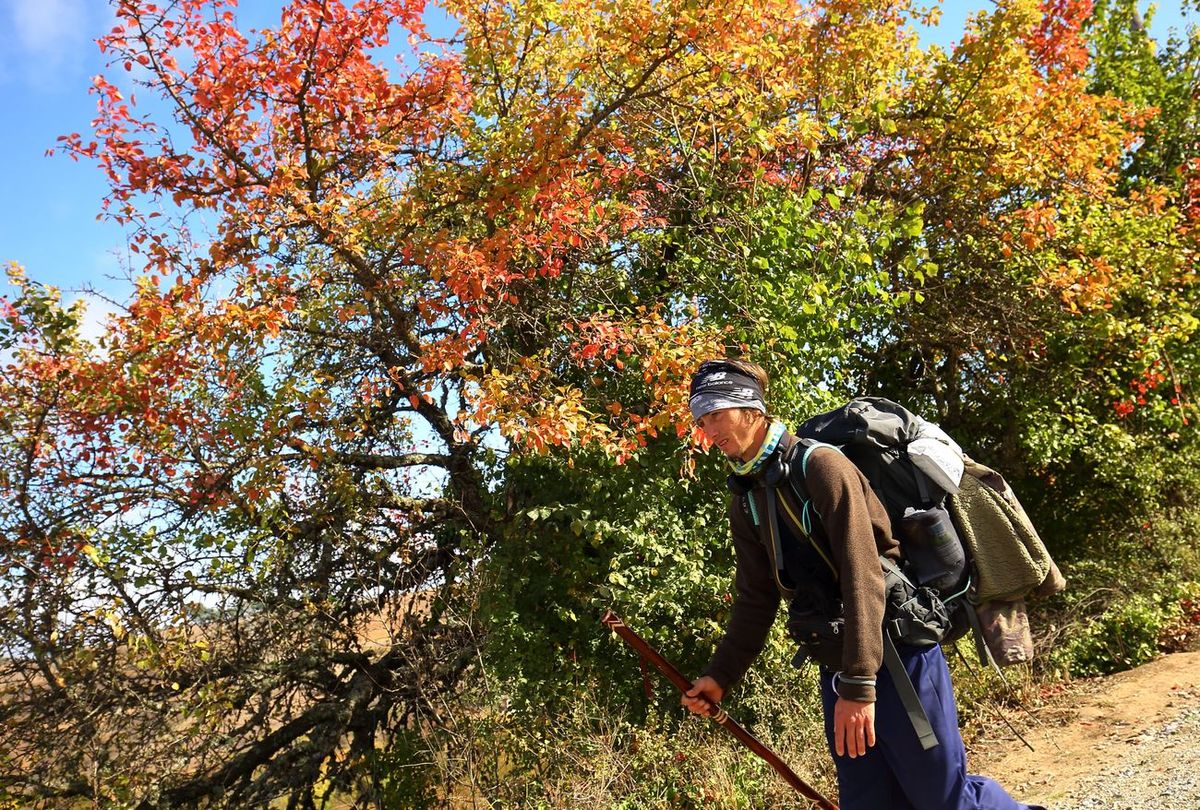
(648, 653)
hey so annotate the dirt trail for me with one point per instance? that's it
(1127, 740)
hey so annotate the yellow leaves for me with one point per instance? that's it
(1003, 118)
(258, 319)
(1105, 249)
(538, 412)
(726, 65)
(17, 276)
(112, 618)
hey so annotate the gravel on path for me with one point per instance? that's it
(1162, 771)
(1125, 741)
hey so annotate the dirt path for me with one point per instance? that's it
(1131, 740)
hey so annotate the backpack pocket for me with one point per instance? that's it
(920, 621)
(820, 638)
(915, 615)
(932, 548)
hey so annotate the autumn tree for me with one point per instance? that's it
(398, 398)
(243, 527)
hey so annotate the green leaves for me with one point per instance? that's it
(366, 440)
(36, 319)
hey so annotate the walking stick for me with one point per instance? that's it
(715, 712)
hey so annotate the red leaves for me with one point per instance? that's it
(299, 107)
(1057, 45)
(1143, 387)
(1191, 191)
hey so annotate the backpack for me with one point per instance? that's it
(909, 461)
(917, 471)
(912, 466)
(961, 529)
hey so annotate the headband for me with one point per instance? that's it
(718, 384)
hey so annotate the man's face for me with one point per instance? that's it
(732, 430)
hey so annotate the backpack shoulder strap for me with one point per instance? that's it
(749, 496)
(809, 517)
(808, 453)
(808, 509)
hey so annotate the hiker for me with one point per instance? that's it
(834, 575)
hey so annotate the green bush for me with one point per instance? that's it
(1122, 637)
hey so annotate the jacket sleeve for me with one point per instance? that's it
(755, 604)
(859, 531)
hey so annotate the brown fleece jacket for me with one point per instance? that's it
(859, 531)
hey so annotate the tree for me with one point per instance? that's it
(403, 328)
(281, 444)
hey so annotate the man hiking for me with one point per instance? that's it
(828, 557)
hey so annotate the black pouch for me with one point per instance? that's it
(820, 638)
(915, 616)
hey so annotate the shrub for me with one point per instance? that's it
(1122, 637)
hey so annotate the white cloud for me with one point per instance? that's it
(95, 318)
(46, 37)
(49, 26)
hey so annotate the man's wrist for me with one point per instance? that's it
(854, 687)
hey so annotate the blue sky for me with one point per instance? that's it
(48, 205)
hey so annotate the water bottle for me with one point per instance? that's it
(933, 549)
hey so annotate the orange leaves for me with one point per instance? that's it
(263, 319)
(1082, 284)
(654, 355)
(1191, 201)
(1035, 224)
(1056, 43)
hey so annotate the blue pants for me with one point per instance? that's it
(897, 774)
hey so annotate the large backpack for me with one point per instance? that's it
(958, 523)
(961, 529)
(910, 462)
(913, 466)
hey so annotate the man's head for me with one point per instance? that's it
(728, 402)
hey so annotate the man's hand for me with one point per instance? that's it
(853, 727)
(704, 693)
